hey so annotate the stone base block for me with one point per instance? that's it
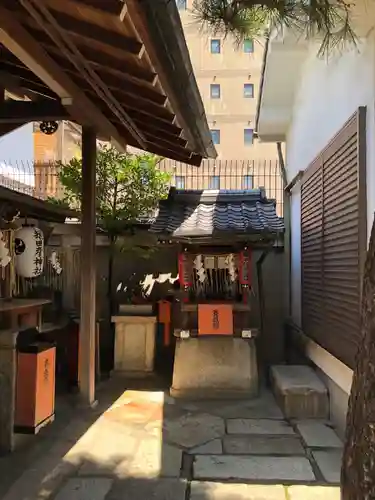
(215, 368)
(134, 345)
(300, 392)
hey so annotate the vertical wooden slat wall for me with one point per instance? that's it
(334, 240)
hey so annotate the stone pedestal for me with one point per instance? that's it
(215, 368)
(134, 345)
(300, 392)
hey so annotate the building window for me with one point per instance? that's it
(248, 90)
(215, 91)
(247, 182)
(248, 136)
(181, 4)
(215, 46)
(180, 182)
(248, 46)
(215, 134)
(214, 182)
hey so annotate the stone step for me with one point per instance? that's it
(300, 392)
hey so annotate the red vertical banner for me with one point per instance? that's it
(245, 274)
(184, 274)
(183, 270)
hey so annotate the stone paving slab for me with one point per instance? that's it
(214, 447)
(110, 445)
(193, 429)
(159, 489)
(153, 458)
(221, 491)
(85, 489)
(263, 445)
(264, 406)
(313, 493)
(318, 435)
(46, 475)
(329, 463)
(261, 426)
(252, 468)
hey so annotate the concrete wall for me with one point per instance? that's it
(329, 93)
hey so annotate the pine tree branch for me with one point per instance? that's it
(327, 19)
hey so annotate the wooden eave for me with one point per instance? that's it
(13, 202)
(97, 59)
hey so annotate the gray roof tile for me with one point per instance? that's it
(202, 213)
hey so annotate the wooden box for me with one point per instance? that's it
(35, 387)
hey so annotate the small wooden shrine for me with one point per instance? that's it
(217, 233)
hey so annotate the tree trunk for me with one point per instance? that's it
(358, 466)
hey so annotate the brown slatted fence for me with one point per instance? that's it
(334, 240)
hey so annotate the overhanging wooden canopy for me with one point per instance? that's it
(120, 67)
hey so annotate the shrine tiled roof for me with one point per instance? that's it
(190, 214)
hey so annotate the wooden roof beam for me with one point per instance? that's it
(129, 94)
(126, 18)
(18, 41)
(133, 15)
(12, 111)
(131, 101)
(85, 39)
(94, 32)
(19, 86)
(99, 59)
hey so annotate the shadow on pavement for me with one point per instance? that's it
(138, 443)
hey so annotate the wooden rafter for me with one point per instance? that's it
(100, 50)
(85, 40)
(43, 17)
(122, 82)
(133, 10)
(26, 49)
(12, 111)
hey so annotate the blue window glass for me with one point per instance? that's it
(247, 182)
(215, 91)
(215, 46)
(215, 134)
(248, 46)
(248, 90)
(248, 136)
(180, 182)
(214, 182)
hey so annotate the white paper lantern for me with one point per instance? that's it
(29, 250)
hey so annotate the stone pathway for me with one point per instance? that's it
(147, 445)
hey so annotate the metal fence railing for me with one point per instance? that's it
(41, 180)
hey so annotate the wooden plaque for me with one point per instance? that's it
(215, 319)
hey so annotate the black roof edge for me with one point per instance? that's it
(35, 208)
(166, 31)
(221, 196)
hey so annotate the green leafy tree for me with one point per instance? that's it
(128, 189)
(328, 19)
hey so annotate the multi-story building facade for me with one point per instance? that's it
(228, 75)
